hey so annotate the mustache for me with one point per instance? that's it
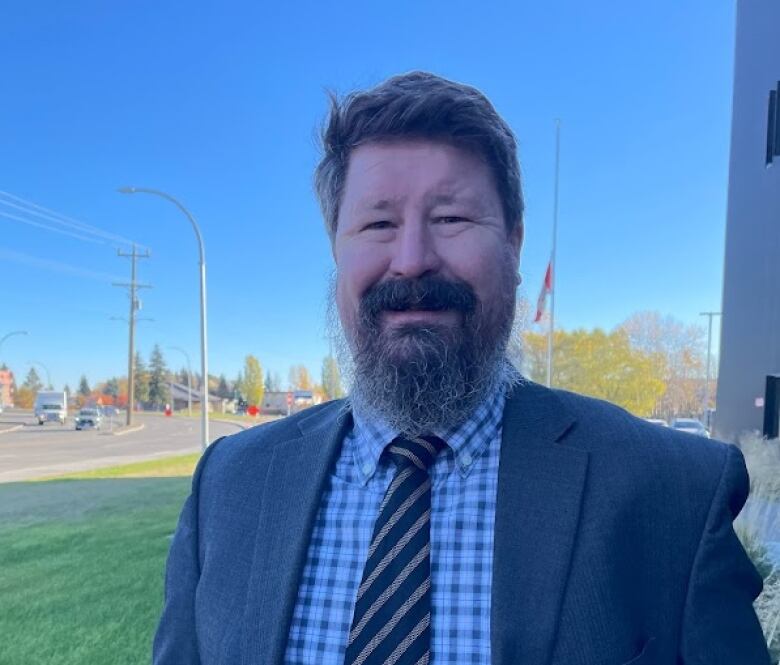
(428, 293)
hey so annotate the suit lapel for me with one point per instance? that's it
(295, 480)
(540, 486)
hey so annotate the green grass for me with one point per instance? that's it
(167, 467)
(81, 568)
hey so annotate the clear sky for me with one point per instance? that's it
(218, 103)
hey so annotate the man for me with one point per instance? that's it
(450, 512)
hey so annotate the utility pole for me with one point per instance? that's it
(135, 305)
(709, 315)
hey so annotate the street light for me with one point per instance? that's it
(2, 339)
(189, 378)
(204, 389)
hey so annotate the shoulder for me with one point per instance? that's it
(625, 447)
(246, 451)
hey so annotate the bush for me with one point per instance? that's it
(758, 525)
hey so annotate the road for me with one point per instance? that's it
(36, 450)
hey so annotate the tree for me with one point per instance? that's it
(679, 351)
(223, 390)
(84, 389)
(140, 380)
(267, 384)
(299, 378)
(32, 381)
(182, 376)
(112, 388)
(159, 393)
(24, 397)
(331, 379)
(600, 364)
(252, 384)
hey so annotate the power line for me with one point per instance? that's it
(51, 228)
(30, 208)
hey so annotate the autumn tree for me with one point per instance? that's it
(331, 379)
(679, 350)
(252, 383)
(599, 364)
(159, 392)
(299, 378)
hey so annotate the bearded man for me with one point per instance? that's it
(449, 511)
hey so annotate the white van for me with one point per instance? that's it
(51, 406)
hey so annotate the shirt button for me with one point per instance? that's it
(367, 469)
(465, 459)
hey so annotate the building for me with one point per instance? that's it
(179, 394)
(750, 334)
(275, 403)
(6, 387)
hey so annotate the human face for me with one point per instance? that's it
(417, 209)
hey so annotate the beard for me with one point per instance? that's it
(421, 378)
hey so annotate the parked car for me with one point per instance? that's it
(89, 417)
(690, 425)
(657, 421)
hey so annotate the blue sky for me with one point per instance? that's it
(219, 106)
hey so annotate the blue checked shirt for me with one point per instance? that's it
(463, 508)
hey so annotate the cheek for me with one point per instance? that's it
(356, 270)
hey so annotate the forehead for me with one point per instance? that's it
(384, 174)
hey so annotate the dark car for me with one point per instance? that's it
(89, 417)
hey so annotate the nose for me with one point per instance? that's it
(414, 251)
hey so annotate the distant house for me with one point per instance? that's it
(275, 402)
(6, 387)
(180, 402)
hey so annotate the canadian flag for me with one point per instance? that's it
(546, 288)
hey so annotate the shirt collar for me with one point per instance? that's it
(467, 440)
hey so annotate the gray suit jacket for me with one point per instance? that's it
(613, 541)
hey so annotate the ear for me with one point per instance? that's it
(515, 237)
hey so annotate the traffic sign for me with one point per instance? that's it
(253, 410)
(289, 399)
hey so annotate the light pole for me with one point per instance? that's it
(709, 356)
(204, 389)
(2, 339)
(189, 378)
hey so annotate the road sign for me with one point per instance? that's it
(253, 410)
(289, 399)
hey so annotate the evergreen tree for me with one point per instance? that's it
(141, 380)
(112, 387)
(32, 381)
(267, 384)
(159, 393)
(84, 389)
(223, 390)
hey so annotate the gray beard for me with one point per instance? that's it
(426, 379)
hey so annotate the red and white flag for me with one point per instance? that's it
(546, 288)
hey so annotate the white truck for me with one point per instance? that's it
(51, 406)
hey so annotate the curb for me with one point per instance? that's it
(129, 430)
(11, 429)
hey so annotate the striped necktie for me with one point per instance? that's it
(391, 622)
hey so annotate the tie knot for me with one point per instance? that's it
(419, 451)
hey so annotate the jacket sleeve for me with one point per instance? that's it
(176, 639)
(720, 626)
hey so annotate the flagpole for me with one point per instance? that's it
(552, 260)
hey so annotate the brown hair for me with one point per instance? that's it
(417, 105)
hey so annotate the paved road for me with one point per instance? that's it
(34, 450)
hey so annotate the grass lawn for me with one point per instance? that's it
(82, 564)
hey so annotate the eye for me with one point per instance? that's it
(380, 224)
(451, 219)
